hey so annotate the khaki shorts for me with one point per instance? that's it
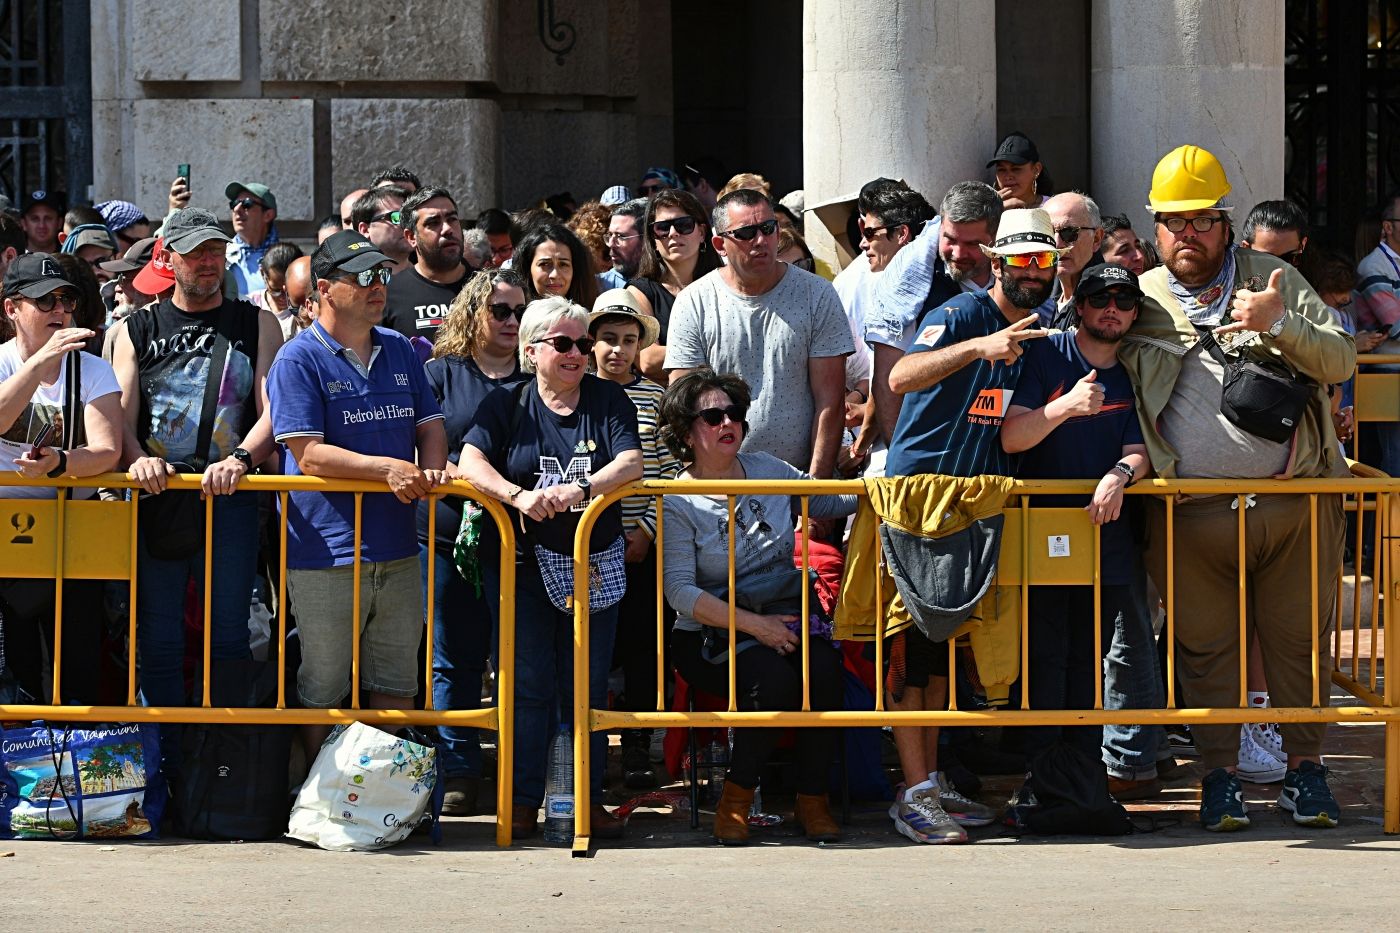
(390, 629)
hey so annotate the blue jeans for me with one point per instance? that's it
(544, 682)
(1132, 679)
(463, 625)
(160, 606)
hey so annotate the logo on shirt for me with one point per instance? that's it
(586, 447)
(552, 474)
(384, 412)
(339, 385)
(929, 335)
(401, 379)
(989, 407)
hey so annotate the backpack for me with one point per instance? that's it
(1071, 789)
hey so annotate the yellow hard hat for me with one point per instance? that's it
(1188, 178)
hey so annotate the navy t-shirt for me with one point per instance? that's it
(549, 449)
(460, 387)
(1084, 447)
(953, 427)
(315, 391)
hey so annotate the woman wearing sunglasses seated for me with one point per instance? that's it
(675, 252)
(545, 448)
(702, 421)
(475, 353)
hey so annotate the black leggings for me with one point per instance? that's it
(27, 607)
(766, 680)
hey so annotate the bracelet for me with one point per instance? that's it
(62, 465)
(1127, 471)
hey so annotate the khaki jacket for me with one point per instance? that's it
(1311, 343)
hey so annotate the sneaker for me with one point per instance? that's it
(1182, 744)
(1267, 737)
(1256, 763)
(923, 820)
(1222, 802)
(1307, 796)
(963, 810)
(637, 770)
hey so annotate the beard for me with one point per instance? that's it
(192, 288)
(1104, 336)
(1026, 294)
(443, 257)
(1193, 266)
(973, 272)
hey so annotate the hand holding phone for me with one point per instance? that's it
(39, 442)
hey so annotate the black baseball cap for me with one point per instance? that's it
(134, 259)
(346, 251)
(1104, 276)
(58, 200)
(1015, 148)
(34, 275)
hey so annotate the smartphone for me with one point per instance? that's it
(44, 434)
(1394, 333)
(183, 171)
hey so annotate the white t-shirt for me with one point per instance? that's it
(46, 407)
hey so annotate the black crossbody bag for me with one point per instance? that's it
(1264, 399)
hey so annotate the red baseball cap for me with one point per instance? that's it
(157, 277)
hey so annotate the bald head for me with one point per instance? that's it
(346, 203)
(1071, 212)
(299, 281)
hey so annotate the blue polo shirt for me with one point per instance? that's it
(317, 389)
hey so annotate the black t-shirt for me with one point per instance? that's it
(550, 449)
(416, 307)
(173, 353)
(460, 387)
(661, 302)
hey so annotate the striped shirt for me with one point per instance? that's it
(954, 427)
(657, 462)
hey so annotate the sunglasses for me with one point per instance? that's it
(749, 231)
(661, 229)
(393, 217)
(563, 344)
(1068, 236)
(501, 311)
(246, 204)
(1121, 300)
(871, 233)
(1200, 224)
(52, 299)
(715, 416)
(1293, 257)
(1042, 260)
(366, 279)
(806, 263)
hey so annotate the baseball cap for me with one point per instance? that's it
(1104, 276)
(190, 226)
(57, 200)
(157, 276)
(620, 301)
(133, 259)
(89, 235)
(617, 194)
(258, 190)
(346, 251)
(1015, 148)
(34, 275)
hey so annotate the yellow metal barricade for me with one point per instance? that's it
(62, 539)
(1025, 566)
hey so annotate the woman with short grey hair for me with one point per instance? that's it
(545, 448)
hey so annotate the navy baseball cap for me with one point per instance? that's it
(1104, 276)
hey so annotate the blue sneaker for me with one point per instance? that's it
(1222, 802)
(1307, 796)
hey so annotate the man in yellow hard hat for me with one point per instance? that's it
(1206, 307)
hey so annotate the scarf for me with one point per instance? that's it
(1207, 304)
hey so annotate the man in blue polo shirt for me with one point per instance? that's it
(350, 401)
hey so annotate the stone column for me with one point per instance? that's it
(1190, 71)
(904, 90)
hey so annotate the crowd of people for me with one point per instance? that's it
(561, 352)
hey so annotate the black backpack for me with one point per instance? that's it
(232, 782)
(1071, 789)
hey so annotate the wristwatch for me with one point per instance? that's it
(514, 491)
(587, 486)
(1277, 327)
(1127, 471)
(62, 465)
(243, 457)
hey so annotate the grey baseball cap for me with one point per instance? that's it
(189, 227)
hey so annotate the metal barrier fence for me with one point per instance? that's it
(62, 538)
(1363, 495)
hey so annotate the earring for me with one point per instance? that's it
(1035, 184)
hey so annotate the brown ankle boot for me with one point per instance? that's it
(732, 815)
(814, 816)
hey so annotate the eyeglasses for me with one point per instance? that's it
(393, 217)
(367, 278)
(1200, 224)
(249, 203)
(1293, 257)
(661, 229)
(1121, 300)
(611, 238)
(1068, 236)
(649, 190)
(1042, 260)
(749, 231)
(501, 311)
(50, 301)
(715, 416)
(563, 344)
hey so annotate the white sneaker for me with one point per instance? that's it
(1257, 764)
(1267, 737)
(965, 811)
(923, 820)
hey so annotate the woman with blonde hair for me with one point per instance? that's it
(474, 354)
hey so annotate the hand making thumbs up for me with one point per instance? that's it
(1257, 311)
(1085, 398)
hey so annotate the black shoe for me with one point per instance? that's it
(459, 799)
(637, 770)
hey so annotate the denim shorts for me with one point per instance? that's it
(390, 629)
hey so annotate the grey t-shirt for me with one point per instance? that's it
(767, 340)
(695, 536)
(1210, 447)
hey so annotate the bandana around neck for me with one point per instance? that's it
(1206, 304)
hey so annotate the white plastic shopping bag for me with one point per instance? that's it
(367, 790)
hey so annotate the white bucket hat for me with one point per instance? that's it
(1023, 230)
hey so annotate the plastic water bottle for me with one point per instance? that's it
(559, 790)
(716, 768)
